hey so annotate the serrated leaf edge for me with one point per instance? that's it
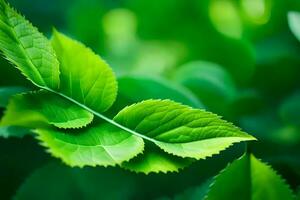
(245, 154)
(209, 155)
(36, 92)
(7, 5)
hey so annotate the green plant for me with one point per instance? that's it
(77, 85)
(73, 112)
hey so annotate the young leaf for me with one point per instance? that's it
(180, 130)
(249, 178)
(102, 144)
(40, 108)
(28, 49)
(85, 77)
(7, 92)
(294, 23)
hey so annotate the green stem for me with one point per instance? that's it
(98, 114)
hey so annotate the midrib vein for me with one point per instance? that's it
(99, 115)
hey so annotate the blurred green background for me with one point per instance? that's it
(237, 58)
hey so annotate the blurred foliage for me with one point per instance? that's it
(237, 58)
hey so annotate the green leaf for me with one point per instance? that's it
(176, 129)
(154, 160)
(294, 23)
(13, 131)
(88, 82)
(101, 144)
(75, 183)
(249, 178)
(85, 77)
(27, 49)
(180, 130)
(209, 82)
(7, 92)
(37, 109)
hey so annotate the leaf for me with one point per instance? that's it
(28, 49)
(249, 178)
(130, 88)
(85, 77)
(181, 135)
(209, 82)
(13, 131)
(75, 183)
(154, 160)
(88, 82)
(7, 92)
(37, 109)
(101, 144)
(294, 23)
(180, 130)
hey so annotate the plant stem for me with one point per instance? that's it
(99, 115)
